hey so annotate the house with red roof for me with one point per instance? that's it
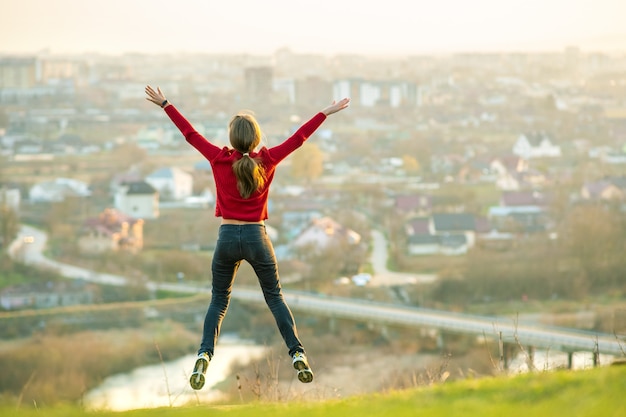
(607, 189)
(111, 231)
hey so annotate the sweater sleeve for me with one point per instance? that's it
(194, 138)
(280, 152)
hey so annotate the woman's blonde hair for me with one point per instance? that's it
(245, 135)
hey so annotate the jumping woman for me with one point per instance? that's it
(243, 176)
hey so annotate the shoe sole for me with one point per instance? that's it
(201, 365)
(197, 378)
(305, 375)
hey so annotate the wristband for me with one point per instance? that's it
(164, 103)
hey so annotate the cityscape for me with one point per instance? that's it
(523, 129)
(480, 186)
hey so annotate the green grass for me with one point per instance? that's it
(589, 393)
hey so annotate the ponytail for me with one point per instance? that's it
(250, 175)
(245, 135)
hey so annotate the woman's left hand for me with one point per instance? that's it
(336, 106)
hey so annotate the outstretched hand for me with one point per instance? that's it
(336, 106)
(157, 97)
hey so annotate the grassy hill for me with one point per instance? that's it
(589, 393)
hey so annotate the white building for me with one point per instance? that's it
(370, 93)
(324, 233)
(171, 183)
(536, 145)
(57, 190)
(137, 199)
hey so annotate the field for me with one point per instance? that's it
(594, 392)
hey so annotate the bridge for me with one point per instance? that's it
(503, 329)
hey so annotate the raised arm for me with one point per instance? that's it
(280, 152)
(195, 139)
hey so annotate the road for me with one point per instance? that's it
(382, 275)
(29, 248)
(553, 338)
(32, 253)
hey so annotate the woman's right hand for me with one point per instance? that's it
(157, 97)
(336, 106)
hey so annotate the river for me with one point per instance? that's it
(544, 360)
(167, 384)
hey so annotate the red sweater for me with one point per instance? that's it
(229, 203)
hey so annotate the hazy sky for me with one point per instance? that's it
(320, 26)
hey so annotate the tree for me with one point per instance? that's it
(326, 264)
(4, 120)
(308, 162)
(9, 225)
(129, 154)
(593, 236)
(410, 164)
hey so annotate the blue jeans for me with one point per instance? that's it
(251, 243)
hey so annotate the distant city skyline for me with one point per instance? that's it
(392, 27)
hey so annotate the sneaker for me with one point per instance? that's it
(197, 378)
(301, 365)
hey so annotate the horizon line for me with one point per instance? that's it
(437, 52)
